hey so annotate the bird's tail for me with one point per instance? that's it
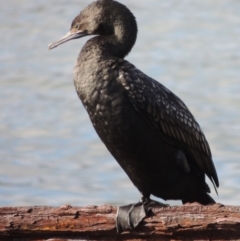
(202, 198)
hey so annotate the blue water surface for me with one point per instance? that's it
(49, 151)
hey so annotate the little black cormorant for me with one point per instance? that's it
(148, 129)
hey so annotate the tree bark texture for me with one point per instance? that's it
(187, 222)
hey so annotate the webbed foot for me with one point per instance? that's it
(129, 216)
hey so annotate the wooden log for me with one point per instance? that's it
(187, 222)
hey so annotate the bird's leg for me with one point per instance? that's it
(129, 216)
(149, 203)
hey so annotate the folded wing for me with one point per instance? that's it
(168, 115)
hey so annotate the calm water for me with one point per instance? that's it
(49, 152)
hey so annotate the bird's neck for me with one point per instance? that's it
(118, 44)
(123, 39)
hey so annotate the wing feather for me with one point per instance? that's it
(169, 115)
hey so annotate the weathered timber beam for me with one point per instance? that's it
(187, 222)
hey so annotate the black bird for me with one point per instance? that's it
(148, 129)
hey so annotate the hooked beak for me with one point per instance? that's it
(69, 36)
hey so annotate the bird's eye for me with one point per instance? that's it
(77, 26)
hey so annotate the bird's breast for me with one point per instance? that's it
(103, 97)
